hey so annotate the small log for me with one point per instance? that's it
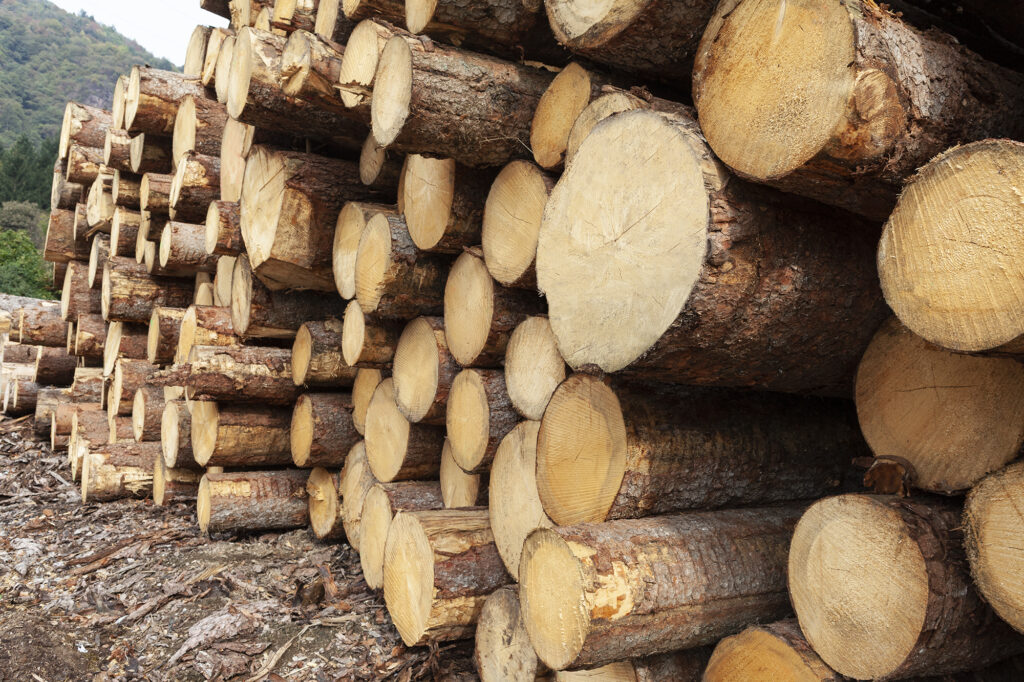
(63, 194)
(202, 325)
(502, 649)
(19, 354)
(147, 413)
(98, 255)
(380, 505)
(88, 427)
(228, 435)
(678, 599)
(150, 154)
(124, 340)
(324, 505)
(459, 489)
(99, 205)
(222, 281)
(241, 373)
(153, 97)
(90, 336)
(409, 115)
(394, 278)
(54, 367)
(511, 223)
(59, 271)
(41, 324)
(87, 386)
(444, 558)
(162, 337)
(444, 203)
(377, 166)
(46, 402)
(533, 366)
(83, 165)
(119, 429)
(310, 67)
(130, 293)
(198, 127)
(114, 472)
(213, 50)
(367, 340)
(331, 22)
(183, 248)
(491, 24)
(156, 193)
(196, 51)
(176, 435)
(117, 149)
(396, 449)
(363, 387)
(245, 12)
(361, 57)
(252, 500)
(81, 230)
(224, 228)
(352, 221)
(82, 125)
(479, 415)
(966, 393)
(776, 651)
(171, 486)
(321, 430)
(196, 183)
(126, 191)
(562, 103)
(915, 610)
(234, 150)
(221, 75)
(61, 245)
(23, 395)
(129, 376)
(124, 231)
(204, 290)
(356, 481)
(424, 370)
(317, 358)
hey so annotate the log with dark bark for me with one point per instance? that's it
(511, 223)
(119, 429)
(147, 413)
(227, 435)
(356, 481)
(908, 604)
(155, 193)
(183, 248)
(59, 270)
(882, 116)
(87, 386)
(777, 651)
(124, 231)
(41, 324)
(113, 472)
(479, 415)
(164, 331)
(443, 560)
(153, 97)
(380, 505)
(61, 245)
(418, 86)
(491, 25)
(352, 221)
(203, 325)
(764, 291)
(23, 395)
(171, 486)
(396, 449)
(130, 293)
(368, 340)
(19, 354)
(241, 373)
(325, 505)
(82, 125)
(77, 298)
(218, 7)
(252, 500)
(83, 165)
(635, 587)
(321, 430)
(176, 435)
(87, 425)
(124, 340)
(196, 184)
(424, 370)
(224, 228)
(317, 357)
(90, 336)
(129, 376)
(151, 154)
(198, 127)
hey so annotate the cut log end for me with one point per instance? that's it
(139, 414)
(353, 335)
(458, 488)
(387, 433)
(374, 525)
(513, 503)
(352, 221)
(428, 185)
(533, 367)
(234, 148)
(392, 91)
(263, 186)
(373, 262)
(301, 431)
(240, 73)
(512, 219)
(774, 652)
(408, 577)
(363, 387)
(468, 307)
(324, 505)
(502, 647)
(203, 504)
(241, 296)
(205, 415)
(356, 481)
(302, 355)
(416, 369)
(468, 420)
(559, 106)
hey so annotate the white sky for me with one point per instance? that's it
(161, 26)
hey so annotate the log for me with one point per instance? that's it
(25, 395)
(99, 205)
(360, 60)
(317, 358)
(222, 281)
(46, 402)
(61, 246)
(221, 77)
(126, 191)
(241, 374)
(196, 184)
(367, 340)
(124, 340)
(90, 336)
(87, 426)
(130, 294)
(153, 97)
(459, 489)
(635, 587)
(256, 311)
(204, 290)
(83, 165)
(310, 67)
(908, 601)
(927, 432)
(533, 366)
(234, 149)
(147, 413)
(82, 125)
(156, 193)
(424, 370)
(331, 22)
(81, 228)
(203, 325)
(376, 166)
(176, 436)
(245, 501)
(227, 435)
(245, 12)
(489, 24)
(119, 429)
(113, 472)
(129, 376)
(63, 194)
(150, 154)
(19, 354)
(363, 387)
(224, 228)
(396, 449)
(392, 11)
(289, 208)
(444, 203)
(218, 7)
(324, 505)
(382, 502)
(59, 271)
(394, 278)
(98, 255)
(171, 486)
(735, 305)
(41, 324)
(614, 452)
(495, 99)
(511, 223)
(54, 367)
(212, 56)
(444, 560)
(183, 248)
(118, 104)
(831, 150)
(776, 651)
(321, 430)
(87, 385)
(479, 316)
(990, 521)
(124, 231)
(479, 415)
(117, 149)
(352, 221)
(198, 127)
(356, 481)
(502, 649)
(164, 332)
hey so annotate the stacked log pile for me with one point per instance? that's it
(581, 371)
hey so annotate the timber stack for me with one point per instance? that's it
(609, 382)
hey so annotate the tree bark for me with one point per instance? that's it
(151, 154)
(424, 370)
(87, 385)
(310, 67)
(90, 336)
(493, 23)
(218, 7)
(171, 486)
(153, 98)
(119, 429)
(42, 325)
(24, 393)
(459, 570)
(77, 298)
(478, 417)
(130, 294)
(176, 436)
(226, 435)
(82, 125)
(636, 588)
(183, 248)
(252, 500)
(883, 116)
(147, 413)
(396, 449)
(117, 150)
(99, 206)
(156, 193)
(198, 127)
(241, 374)
(129, 376)
(61, 245)
(776, 651)
(203, 325)
(124, 340)
(368, 340)
(164, 330)
(46, 402)
(124, 231)
(113, 472)
(224, 229)
(382, 502)
(19, 354)
(196, 184)
(83, 165)
(321, 430)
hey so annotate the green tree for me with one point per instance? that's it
(22, 269)
(26, 171)
(24, 216)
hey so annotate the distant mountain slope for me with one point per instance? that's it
(48, 56)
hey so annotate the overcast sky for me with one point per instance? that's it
(161, 26)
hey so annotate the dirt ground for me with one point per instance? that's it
(129, 591)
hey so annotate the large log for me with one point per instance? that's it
(324, 505)
(226, 435)
(19, 354)
(153, 97)
(533, 366)
(164, 331)
(397, 450)
(112, 472)
(393, 277)
(130, 293)
(382, 502)
(754, 288)
(356, 481)
(82, 125)
(443, 203)
(124, 340)
(928, 433)
(321, 431)
(479, 415)
(597, 593)
(418, 86)
(947, 275)
(907, 603)
(203, 325)
(368, 340)
(41, 324)
(183, 248)
(776, 651)
(224, 228)
(171, 486)
(147, 413)
(352, 222)
(860, 116)
(630, 451)
(363, 387)
(514, 503)
(458, 488)
(290, 204)
(252, 500)
(129, 376)
(198, 127)
(241, 374)
(511, 223)
(54, 366)
(61, 245)
(424, 370)
(23, 396)
(176, 435)
(196, 184)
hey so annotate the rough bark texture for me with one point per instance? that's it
(125, 231)
(248, 436)
(380, 338)
(119, 429)
(310, 68)
(63, 194)
(224, 221)
(82, 125)
(83, 165)
(77, 297)
(117, 149)
(495, 100)
(42, 325)
(171, 486)
(114, 472)
(25, 393)
(124, 340)
(129, 376)
(646, 592)
(256, 311)
(480, 25)
(156, 197)
(164, 328)
(331, 434)
(241, 374)
(185, 249)
(254, 500)
(325, 366)
(54, 367)
(90, 336)
(88, 385)
(900, 111)
(212, 328)
(196, 184)
(160, 94)
(151, 154)
(61, 245)
(126, 191)
(19, 354)
(147, 413)
(130, 293)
